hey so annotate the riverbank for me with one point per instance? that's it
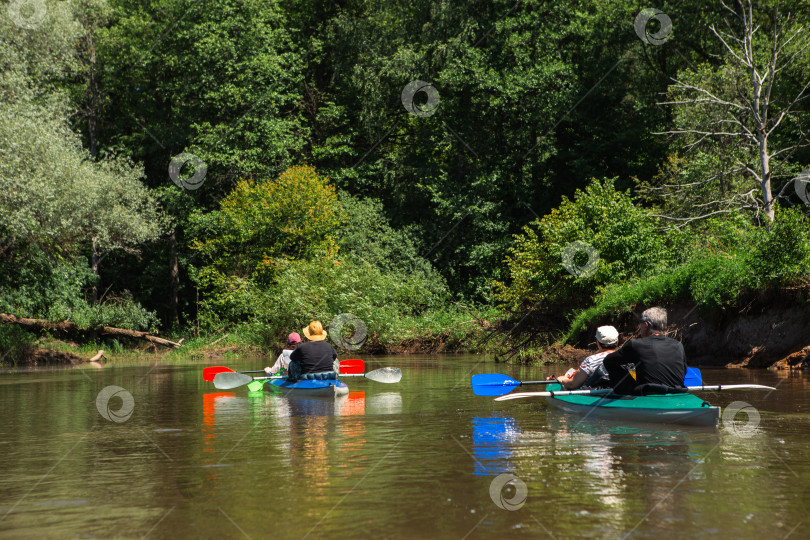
(767, 332)
(772, 332)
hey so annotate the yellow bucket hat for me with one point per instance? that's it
(315, 331)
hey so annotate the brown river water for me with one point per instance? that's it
(424, 458)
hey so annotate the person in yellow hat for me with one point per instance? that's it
(315, 358)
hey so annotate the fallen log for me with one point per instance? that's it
(67, 327)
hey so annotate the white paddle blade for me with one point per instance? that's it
(385, 375)
(731, 387)
(524, 395)
(226, 381)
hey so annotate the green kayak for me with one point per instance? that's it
(668, 409)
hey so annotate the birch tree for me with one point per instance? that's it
(740, 123)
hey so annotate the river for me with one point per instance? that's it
(424, 458)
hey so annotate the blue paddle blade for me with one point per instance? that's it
(693, 377)
(493, 384)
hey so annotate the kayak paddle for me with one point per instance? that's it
(604, 391)
(210, 372)
(495, 384)
(227, 380)
(352, 365)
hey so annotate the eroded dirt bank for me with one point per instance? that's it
(769, 332)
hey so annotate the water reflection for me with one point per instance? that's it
(493, 438)
(413, 460)
(385, 403)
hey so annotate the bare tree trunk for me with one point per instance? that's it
(70, 328)
(93, 98)
(764, 158)
(743, 116)
(94, 264)
(174, 273)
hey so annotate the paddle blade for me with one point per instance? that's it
(524, 395)
(352, 365)
(256, 386)
(210, 372)
(693, 377)
(719, 387)
(385, 375)
(493, 384)
(226, 380)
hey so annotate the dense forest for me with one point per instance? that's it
(424, 172)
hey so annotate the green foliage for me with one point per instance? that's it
(53, 194)
(623, 236)
(224, 83)
(14, 343)
(389, 303)
(285, 252)
(40, 288)
(368, 236)
(262, 226)
(782, 251)
(56, 200)
(535, 100)
(729, 261)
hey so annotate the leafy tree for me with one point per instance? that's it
(261, 226)
(600, 235)
(743, 116)
(57, 200)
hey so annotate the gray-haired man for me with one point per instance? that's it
(660, 361)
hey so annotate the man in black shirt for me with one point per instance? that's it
(313, 356)
(660, 361)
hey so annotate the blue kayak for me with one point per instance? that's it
(324, 388)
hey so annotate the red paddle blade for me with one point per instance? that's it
(353, 365)
(210, 372)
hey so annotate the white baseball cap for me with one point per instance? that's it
(607, 335)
